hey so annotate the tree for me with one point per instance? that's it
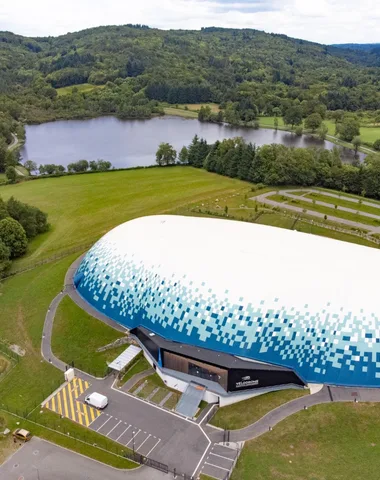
(5, 263)
(322, 131)
(376, 144)
(93, 166)
(77, 167)
(299, 131)
(11, 174)
(356, 142)
(30, 166)
(275, 122)
(13, 236)
(313, 121)
(165, 154)
(337, 115)
(348, 129)
(293, 116)
(183, 156)
(104, 165)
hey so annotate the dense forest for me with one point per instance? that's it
(280, 165)
(131, 68)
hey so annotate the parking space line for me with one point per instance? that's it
(112, 429)
(59, 403)
(92, 414)
(102, 425)
(85, 411)
(137, 449)
(71, 404)
(150, 451)
(129, 426)
(217, 466)
(221, 456)
(133, 436)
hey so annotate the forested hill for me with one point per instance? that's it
(366, 47)
(135, 67)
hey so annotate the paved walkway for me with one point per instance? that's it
(133, 380)
(39, 459)
(351, 223)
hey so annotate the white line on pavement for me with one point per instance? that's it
(150, 451)
(138, 448)
(112, 429)
(133, 436)
(123, 432)
(221, 456)
(217, 466)
(102, 425)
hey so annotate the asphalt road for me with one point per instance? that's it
(41, 460)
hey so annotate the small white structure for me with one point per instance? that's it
(69, 375)
(124, 358)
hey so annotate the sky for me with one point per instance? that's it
(322, 21)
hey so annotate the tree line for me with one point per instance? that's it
(19, 222)
(277, 165)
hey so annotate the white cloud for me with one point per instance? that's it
(324, 21)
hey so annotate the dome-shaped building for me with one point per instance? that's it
(239, 306)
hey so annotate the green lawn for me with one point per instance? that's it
(275, 220)
(269, 122)
(77, 335)
(24, 301)
(335, 441)
(82, 208)
(179, 112)
(344, 203)
(140, 366)
(82, 88)
(242, 414)
(52, 421)
(326, 232)
(330, 212)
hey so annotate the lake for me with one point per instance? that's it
(131, 143)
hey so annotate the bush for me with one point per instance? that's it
(11, 174)
(13, 236)
(376, 144)
(31, 218)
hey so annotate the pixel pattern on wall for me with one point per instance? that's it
(257, 292)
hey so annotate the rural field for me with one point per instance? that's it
(326, 442)
(81, 88)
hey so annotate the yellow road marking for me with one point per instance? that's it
(86, 384)
(59, 403)
(53, 404)
(81, 386)
(85, 410)
(80, 414)
(65, 402)
(71, 403)
(47, 405)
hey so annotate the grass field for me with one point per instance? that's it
(82, 88)
(50, 420)
(329, 211)
(82, 208)
(335, 441)
(242, 414)
(24, 302)
(77, 335)
(344, 203)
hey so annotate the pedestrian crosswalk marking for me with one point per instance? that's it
(65, 402)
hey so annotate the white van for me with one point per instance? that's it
(97, 400)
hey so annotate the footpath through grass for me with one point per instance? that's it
(77, 335)
(242, 414)
(334, 441)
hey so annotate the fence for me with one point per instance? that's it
(51, 259)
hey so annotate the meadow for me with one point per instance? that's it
(81, 88)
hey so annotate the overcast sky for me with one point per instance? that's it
(323, 21)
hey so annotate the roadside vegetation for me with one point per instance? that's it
(141, 365)
(246, 412)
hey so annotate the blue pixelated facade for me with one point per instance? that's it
(332, 345)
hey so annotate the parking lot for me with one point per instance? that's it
(219, 461)
(126, 434)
